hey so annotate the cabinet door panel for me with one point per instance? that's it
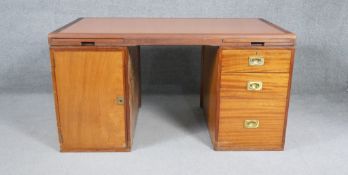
(87, 85)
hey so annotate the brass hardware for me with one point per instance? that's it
(254, 85)
(256, 60)
(120, 100)
(251, 124)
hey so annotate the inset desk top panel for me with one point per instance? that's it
(146, 29)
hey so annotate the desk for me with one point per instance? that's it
(246, 78)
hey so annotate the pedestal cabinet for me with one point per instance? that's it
(245, 89)
(246, 96)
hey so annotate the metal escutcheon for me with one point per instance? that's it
(120, 100)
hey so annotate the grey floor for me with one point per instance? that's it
(172, 138)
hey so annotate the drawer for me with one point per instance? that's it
(255, 61)
(254, 85)
(251, 123)
(267, 135)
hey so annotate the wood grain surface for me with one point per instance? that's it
(237, 60)
(274, 85)
(233, 135)
(269, 135)
(271, 108)
(87, 84)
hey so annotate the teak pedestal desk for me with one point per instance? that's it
(246, 77)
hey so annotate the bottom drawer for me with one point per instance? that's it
(234, 135)
(251, 124)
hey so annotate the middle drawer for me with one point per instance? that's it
(254, 85)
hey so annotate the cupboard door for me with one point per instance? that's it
(88, 84)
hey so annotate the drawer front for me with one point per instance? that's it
(255, 60)
(251, 123)
(254, 85)
(268, 135)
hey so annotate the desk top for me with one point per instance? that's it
(149, 31)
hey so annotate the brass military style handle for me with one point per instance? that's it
(254, 86)
(249, 124)
(256, 60)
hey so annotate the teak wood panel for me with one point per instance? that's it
(237, 60)
(87, 83)
(269, 134)
(133, 88)
(210, 95)
(270, 108)
(274, 85)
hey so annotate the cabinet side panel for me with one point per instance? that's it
(53, 76)
(291, 69)
(88, 83)
(210, 82)
(134, 89)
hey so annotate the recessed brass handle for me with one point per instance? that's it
(256, 60)
(251, 124)
(254, 85)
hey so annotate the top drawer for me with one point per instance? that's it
(255, 60)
